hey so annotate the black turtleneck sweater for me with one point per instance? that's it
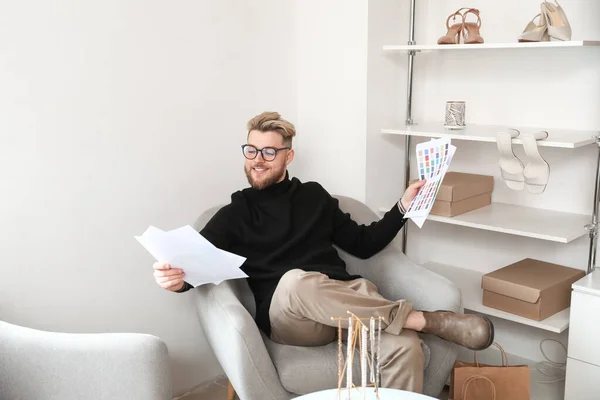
(293, 225)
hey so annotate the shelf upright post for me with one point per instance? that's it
(593, 227)
(409, 120)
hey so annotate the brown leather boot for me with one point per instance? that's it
(472, 331)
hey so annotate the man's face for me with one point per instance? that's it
(262, 173)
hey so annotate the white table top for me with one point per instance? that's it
(589, 284)
(384, 394)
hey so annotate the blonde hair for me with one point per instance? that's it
(272, 121)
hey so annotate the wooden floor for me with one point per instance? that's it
(218, 391)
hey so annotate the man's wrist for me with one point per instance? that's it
(183, 288)
(401, 207)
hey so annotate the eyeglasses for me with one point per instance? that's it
(268, 153)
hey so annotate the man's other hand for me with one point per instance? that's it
(411, 193)
(168, 278)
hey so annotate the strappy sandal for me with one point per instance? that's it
(454, 31)
(470, 30)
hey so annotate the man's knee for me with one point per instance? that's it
(297, 282)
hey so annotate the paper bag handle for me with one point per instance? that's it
(473, 378)
(504, 356)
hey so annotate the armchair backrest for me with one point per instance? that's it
(36, 364)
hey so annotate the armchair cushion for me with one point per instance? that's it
(305, 370)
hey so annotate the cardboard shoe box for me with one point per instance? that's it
(461, 192)
(454, 208)
(530, 288)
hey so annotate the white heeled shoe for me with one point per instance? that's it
(511, 167)
(535, 32)
(558, 24)
(537, 170)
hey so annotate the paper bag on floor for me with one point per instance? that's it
(475, 381)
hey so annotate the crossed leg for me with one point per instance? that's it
(301, 311)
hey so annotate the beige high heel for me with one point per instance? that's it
(535, 32)
(454, 31)
(558, 24)
(470, 31)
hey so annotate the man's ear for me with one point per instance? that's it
(290, 157)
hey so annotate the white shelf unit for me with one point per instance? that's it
(498, 217)
(469, 282)
(488, 46)
(554, 226)
(562, 138)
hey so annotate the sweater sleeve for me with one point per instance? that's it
(364, 241)
(216, 231)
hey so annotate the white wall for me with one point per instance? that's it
(115, 115)
(550, 88)
(331, 41)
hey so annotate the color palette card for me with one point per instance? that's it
(433, 160)
(432, 156)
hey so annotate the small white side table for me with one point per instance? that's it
(384, 394)
(583, 361)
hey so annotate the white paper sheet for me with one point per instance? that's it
(433, 161)
(186, 249)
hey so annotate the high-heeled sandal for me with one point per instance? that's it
(454, 31)
(471, 34)
(535, 32)
(558, 24)
(537, 170)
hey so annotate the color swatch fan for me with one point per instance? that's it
(433, 160)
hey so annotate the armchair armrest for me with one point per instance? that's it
(397, 277)
(237, 341)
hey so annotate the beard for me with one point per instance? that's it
(270, 177)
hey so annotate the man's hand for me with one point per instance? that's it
(168, 278)
(410, 193)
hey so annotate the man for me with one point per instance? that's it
(286, 229)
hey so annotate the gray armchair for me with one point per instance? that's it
(260, 369)
(68, 366)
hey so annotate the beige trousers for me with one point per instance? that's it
(304, 303)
